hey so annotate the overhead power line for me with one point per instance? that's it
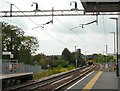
(37, 13)
(87, 44)
(38, 25)
(82, 25)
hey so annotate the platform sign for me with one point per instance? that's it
(11, 56)
(6, 53)
(10, 66)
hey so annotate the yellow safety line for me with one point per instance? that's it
(92, 82)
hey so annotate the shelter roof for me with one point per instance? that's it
(101, 5)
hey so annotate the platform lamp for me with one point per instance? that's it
(117, 70)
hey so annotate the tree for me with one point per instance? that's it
(109, 58)
(63, 63)
(11, 37)
(44, 60)
(14, 40)
(80, 58)
(73, 58)
(99, 58)
(29, 43)
(67, 56)
(25, 56)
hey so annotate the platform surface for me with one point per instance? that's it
(4, 76)
(105, 81)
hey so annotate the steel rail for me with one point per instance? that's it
(49, 86)
(62, 78)
(43, 82)
(78, 77)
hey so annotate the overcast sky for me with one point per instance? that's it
(54, 38)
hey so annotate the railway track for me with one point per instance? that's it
(54, 83)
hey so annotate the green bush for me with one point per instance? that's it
(51, 72)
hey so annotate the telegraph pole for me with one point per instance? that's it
(85, 57)
(75, 56)
(106, 49)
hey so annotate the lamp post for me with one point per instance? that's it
(106, 49)
(117, 70)
(114, 40)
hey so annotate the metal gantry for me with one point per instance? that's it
(52, 12)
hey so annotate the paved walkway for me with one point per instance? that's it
(107, 80)
(97, 81)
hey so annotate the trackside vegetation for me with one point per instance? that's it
(51, 72)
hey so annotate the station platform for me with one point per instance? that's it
(14, 79)
(107, 80)
(6, 76)
(97, 81)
